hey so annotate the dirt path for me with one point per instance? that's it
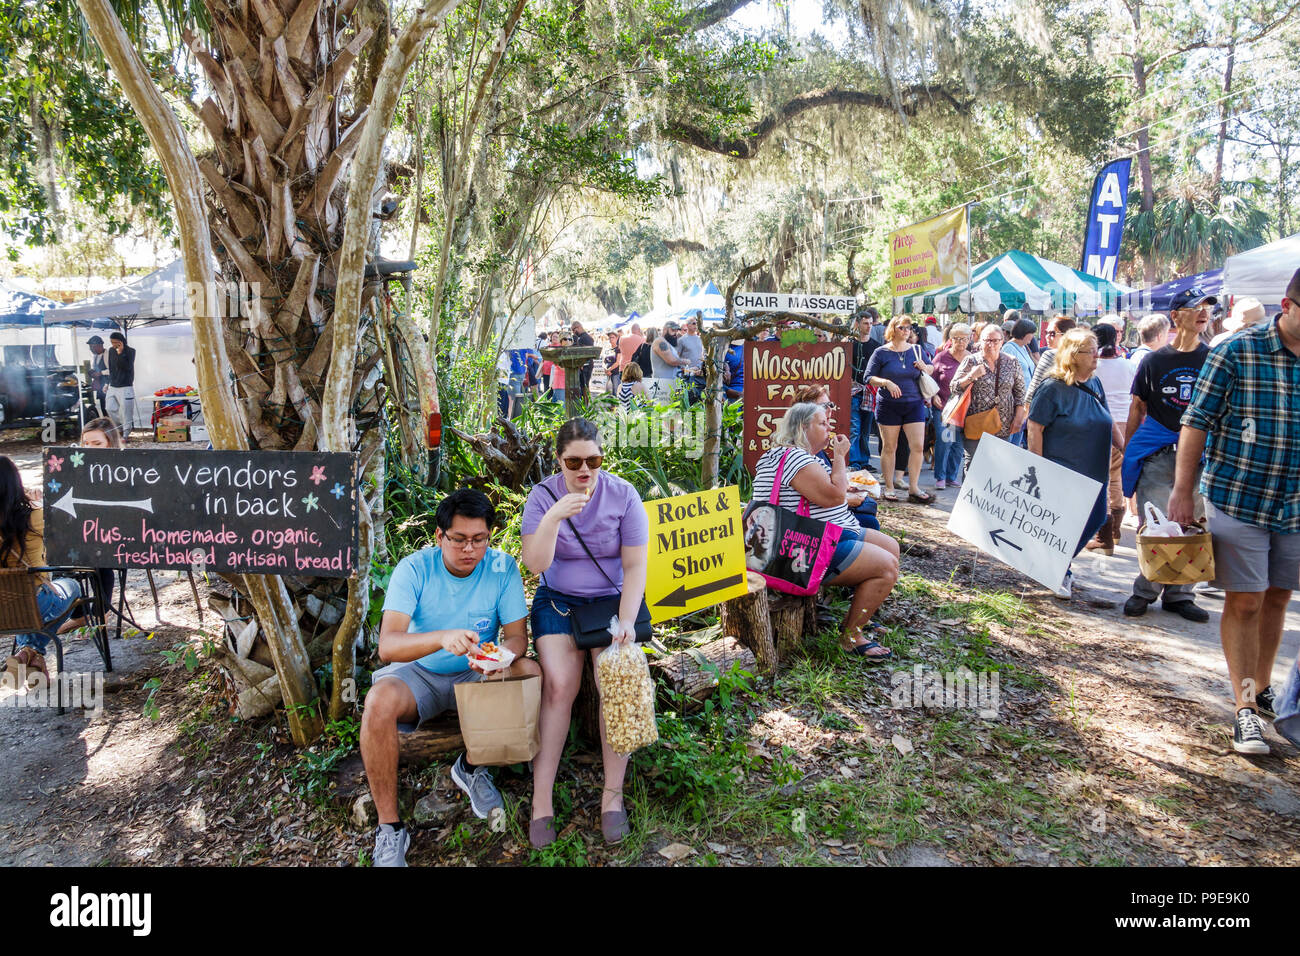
(1189, 655)
(1112, 747)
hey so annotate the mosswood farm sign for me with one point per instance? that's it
(773, 376)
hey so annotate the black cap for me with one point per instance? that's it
(94, 340)
(1191, 298)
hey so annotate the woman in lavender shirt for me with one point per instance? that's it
(607, 512)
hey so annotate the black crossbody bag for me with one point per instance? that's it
(591, 621)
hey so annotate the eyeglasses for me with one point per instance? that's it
(990, 341)
(829, 406)
(459, 541)
(574, 463)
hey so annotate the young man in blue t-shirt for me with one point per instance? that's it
(441, 603)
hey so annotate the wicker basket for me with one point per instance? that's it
(1185, 560)
(19, 612)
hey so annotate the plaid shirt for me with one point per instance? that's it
(1247, 398)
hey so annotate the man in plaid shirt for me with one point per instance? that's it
(1247, 400)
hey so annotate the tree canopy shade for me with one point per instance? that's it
(69, 139)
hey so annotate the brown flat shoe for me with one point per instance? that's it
(614, 826)
(541, 832)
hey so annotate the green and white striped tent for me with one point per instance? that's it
(1018, 280)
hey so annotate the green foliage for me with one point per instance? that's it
(70, 139)
(309, 771)
(702, 757)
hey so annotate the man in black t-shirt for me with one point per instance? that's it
(1162, 390)
(119, 399)
(861, 419)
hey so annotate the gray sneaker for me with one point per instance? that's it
(391, 846)
(484, 797)
(1248, 734)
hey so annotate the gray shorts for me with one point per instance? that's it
(1251, 559)
(434, 693)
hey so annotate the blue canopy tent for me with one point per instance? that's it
(20, 309)
(1158, 298)
(707, 300)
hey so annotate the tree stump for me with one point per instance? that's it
(694, 672)
(746, 618)
(792, 617)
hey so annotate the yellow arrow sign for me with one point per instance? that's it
(697, 552)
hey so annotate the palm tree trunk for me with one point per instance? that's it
(274, 210)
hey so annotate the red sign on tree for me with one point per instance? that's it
(774, 375)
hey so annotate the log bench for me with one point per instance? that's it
(438, 737)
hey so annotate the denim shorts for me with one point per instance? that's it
(895, 412)
(846, 551)
(550, 612)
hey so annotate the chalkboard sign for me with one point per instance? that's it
(254, 512)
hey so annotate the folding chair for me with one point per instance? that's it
(20, 614)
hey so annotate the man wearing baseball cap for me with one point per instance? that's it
(665, 360)
(1162, 391)
(1245, 402)
(98, 370)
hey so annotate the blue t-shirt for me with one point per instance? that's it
(437, 600)
(1076, 427)
(899, 368)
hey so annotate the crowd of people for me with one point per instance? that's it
(1198, 418)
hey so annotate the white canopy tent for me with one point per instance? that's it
(1263, 272)
(153, 311)
(159, 296)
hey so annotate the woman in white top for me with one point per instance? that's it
(864, 560)
(1115, 375)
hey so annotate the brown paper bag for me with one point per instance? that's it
(498, 719)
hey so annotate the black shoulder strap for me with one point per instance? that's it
(574, 529)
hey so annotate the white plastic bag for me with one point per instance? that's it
(627, 696)
(1158, 526)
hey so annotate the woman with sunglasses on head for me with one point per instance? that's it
(1070, 423)
(585, 532)
(860, 503)
(896, 369)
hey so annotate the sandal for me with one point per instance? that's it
(861, 651)
(923, 498)
(890, 496)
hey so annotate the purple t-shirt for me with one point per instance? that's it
(612, 518)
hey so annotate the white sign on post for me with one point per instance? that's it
(1024, 510)
(794, 302)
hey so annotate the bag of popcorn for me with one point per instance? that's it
(627, 695)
